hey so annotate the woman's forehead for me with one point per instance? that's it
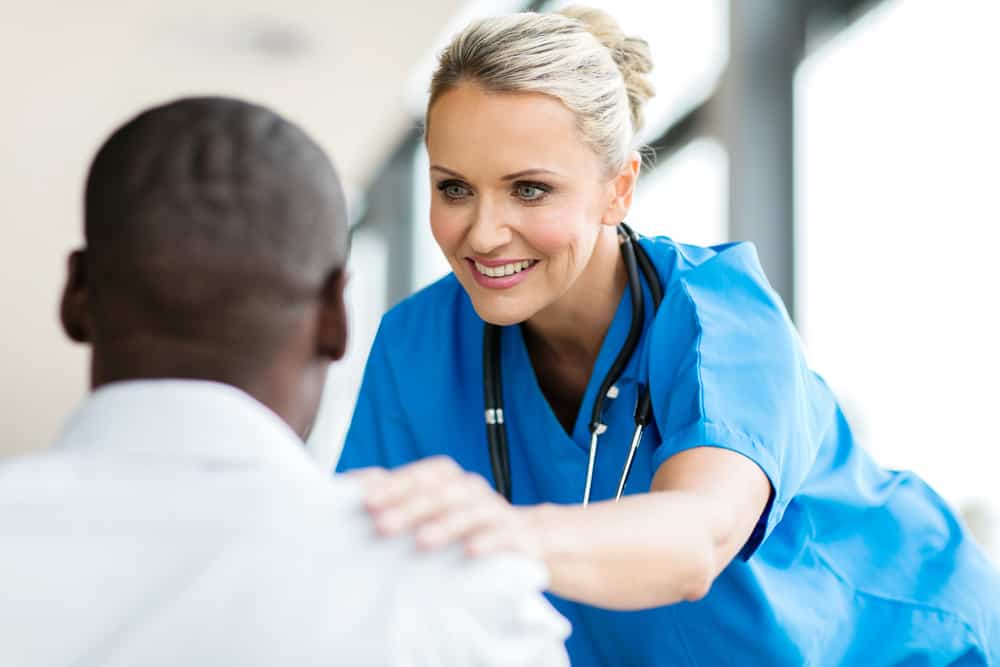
(509, 132)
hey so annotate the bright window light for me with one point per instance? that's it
(686, 197)
(899, 229)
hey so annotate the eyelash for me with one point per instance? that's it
(544, 190)
(444, 185)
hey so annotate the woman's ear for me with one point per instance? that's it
(332, 333)
(623, 187)
(74, 309)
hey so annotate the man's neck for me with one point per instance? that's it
(276, 385)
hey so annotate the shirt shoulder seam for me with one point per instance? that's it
(697, 346)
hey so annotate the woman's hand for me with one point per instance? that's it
(441, 504)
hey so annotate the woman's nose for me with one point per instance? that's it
(490, 230)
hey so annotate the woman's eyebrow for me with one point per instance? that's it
(528, 172)
(436, 167)
(509, 177)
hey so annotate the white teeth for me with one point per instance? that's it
(503, 270)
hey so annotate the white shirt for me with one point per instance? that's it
(182, 523)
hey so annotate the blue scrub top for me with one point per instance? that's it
(851, 564)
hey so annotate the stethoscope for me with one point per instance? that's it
(636, 260)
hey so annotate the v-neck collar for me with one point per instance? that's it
(528, 392)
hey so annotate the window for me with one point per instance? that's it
(898, 233)
(686, 197)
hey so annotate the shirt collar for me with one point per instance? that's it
(183, 419)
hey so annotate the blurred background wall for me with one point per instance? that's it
(855, 141)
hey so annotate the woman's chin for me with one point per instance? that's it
(500, 314)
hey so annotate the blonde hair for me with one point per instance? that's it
(580, 56)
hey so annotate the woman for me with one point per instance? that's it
(753, 530)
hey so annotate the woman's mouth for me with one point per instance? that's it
(500, 274)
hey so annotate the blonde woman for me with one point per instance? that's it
(752, 529)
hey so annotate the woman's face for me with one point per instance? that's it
(518, 198)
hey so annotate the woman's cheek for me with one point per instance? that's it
(551, 232)
(446, 228)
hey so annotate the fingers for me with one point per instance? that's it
(419, 503)
(413, 494)
(405, 482)
(441, 504)
(461, 525)
(367, 477)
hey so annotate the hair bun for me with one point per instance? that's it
(631, 54)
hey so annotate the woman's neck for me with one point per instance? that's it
(574, 326)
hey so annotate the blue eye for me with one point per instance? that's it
(453, 189)
(530, 191)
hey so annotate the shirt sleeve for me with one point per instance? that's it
(457, 612)
(379, 434)
(727, 370)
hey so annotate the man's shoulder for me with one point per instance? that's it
(35, 473)
(296, 539)
(497, 601)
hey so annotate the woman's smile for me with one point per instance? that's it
(500, 273)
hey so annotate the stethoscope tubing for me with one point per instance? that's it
(637, 262)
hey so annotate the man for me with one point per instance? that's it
(178, 520)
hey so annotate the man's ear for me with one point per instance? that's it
(623, 187)
(332, 334)
(74, 310)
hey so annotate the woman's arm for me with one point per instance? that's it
(648, 550)
(660, 547)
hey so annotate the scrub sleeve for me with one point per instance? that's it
(730, 374)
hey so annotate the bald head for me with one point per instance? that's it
(213, 228)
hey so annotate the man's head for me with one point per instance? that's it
(216, 238)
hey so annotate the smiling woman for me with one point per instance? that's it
(553, 194)
(746, 489)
